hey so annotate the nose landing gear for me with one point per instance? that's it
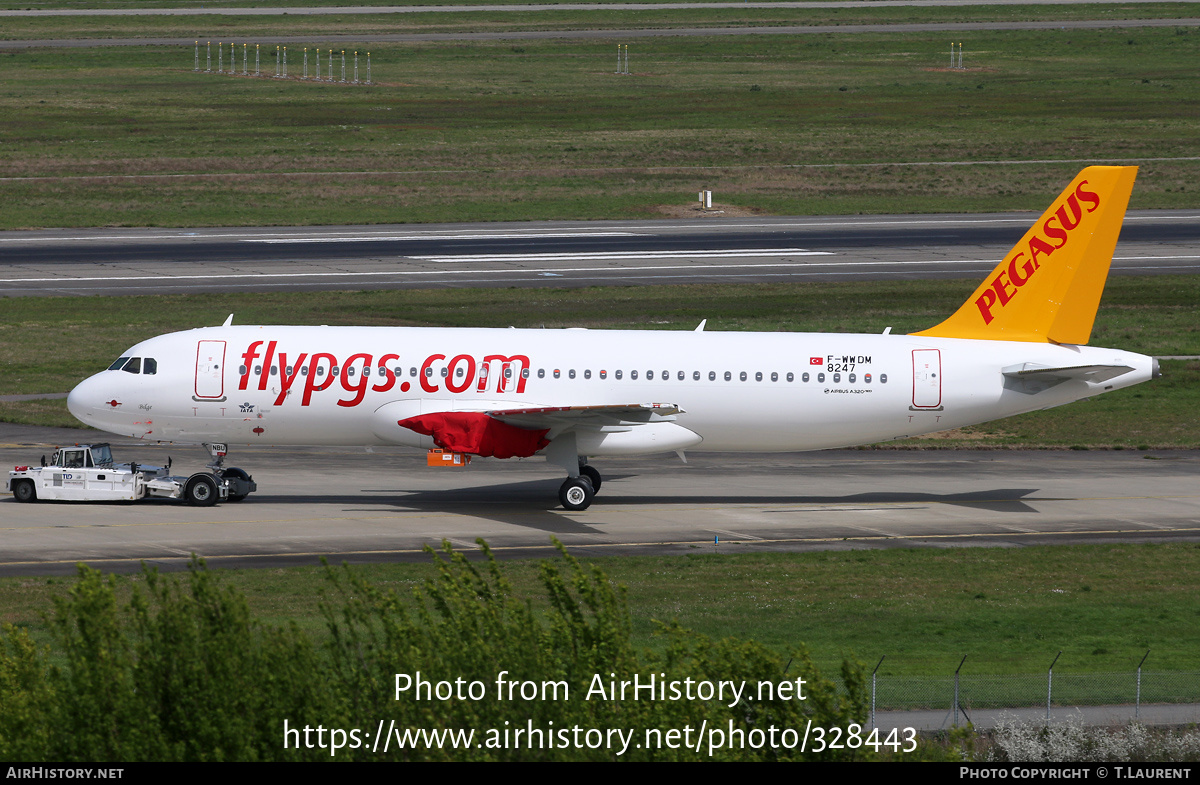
(240, 483)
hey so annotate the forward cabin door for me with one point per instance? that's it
(927, 379)
(210, 371)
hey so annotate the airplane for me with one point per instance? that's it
(1017, 344)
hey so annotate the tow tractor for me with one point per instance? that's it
(86, 472)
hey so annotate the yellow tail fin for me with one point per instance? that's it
(1048, 287)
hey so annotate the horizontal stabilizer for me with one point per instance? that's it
(1087, 373)
(1031, 378)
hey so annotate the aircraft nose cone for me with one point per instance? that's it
(81, 400)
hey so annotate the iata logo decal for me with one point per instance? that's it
(1022, 265)
(359, 372)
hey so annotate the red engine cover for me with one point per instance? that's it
(476, 433)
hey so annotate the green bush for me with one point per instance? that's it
(181, 671)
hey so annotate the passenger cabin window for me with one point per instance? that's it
(791, 377)
(618, 374)
(696, 376)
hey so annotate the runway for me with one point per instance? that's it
(951, 28)
(564, 253)
(384, 505)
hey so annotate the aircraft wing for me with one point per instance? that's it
(584, 416)
(508, 433)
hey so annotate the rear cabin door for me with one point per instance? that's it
(927, 378)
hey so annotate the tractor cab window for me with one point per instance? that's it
(72, 459)
(102, 454)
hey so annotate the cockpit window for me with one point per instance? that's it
(133, 366)
(118, 364)
(150, 366)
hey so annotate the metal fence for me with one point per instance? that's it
(960, 693)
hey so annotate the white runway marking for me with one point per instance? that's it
(371, 238)
(526, 270)
(592, 256)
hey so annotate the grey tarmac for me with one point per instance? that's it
(554, 253)
(674, 32)
(384, 504)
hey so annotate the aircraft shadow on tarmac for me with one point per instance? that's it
(529, 504)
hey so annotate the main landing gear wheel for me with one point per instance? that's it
(591, 474)
(576, 493)
(201, 491)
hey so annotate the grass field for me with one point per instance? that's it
(1008, 610)
(504, 130)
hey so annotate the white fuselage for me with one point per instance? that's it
(737, 391)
